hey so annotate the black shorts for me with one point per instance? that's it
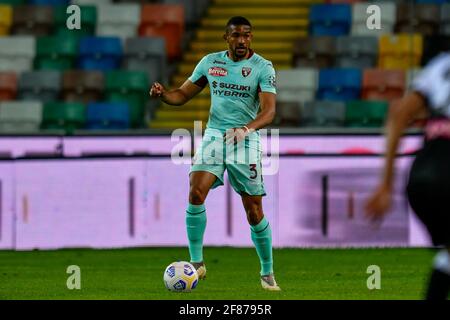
(428, 189)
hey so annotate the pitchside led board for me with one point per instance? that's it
(136, 195)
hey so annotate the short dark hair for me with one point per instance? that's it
(238, 20)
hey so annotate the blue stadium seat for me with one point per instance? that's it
(339, 84)
(330, 19)
(108, 115)
(100, 53)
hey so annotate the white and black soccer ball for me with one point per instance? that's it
(180, 276)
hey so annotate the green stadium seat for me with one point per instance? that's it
(13, 2)
(131, 87)
(56, 53)
(88, 21)
(66, 116)
(362, 113)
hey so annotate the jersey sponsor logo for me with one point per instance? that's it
(246, 71)
(219, 62)
(217, 72)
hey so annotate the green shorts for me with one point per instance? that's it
(242, 161)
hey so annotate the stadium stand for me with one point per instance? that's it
(323, 52)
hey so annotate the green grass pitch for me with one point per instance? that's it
(233, 273)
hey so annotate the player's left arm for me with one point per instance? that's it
(267, 99)
(264, 118)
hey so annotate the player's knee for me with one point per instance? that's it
(196, 195)
(254, 214)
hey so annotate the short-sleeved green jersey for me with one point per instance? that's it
(234, 87)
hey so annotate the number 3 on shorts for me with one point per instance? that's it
(253, 169)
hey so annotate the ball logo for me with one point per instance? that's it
(217, 72)
(188, 270)
(246, 71)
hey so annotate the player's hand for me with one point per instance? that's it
(235, 135)
(157, 90)
(379, 203)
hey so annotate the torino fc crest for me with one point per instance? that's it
(246, 71)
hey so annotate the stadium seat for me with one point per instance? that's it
(361, 113)
(288, 114)
(50, 2)
(379, 84)
(297, 85)
(17, 53)
(147, 54)
(434, 45)
(315, 52)
(20, 116)
(6, 13)
(402, 51)
(193, 9)
(66, 116)
(32, 20)
(445, 19)
(88, 21)
(339, 84)
(330, 19)
(360, 15)
(41, 86)
(13, 2)
(57, 52)
(131, 87)
(108, 115)
(323, 114)
(82, 86)
(419, 18)
(119, 20)
(100, 53)
(166, 20)
(432, 1)
(8, 86)
(91, 2)
(356, 52)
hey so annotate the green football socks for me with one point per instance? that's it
(195, 225)
(262, 238)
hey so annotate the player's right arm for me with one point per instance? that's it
(175, 97)
(191, 87)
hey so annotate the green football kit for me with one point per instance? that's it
(235, 102)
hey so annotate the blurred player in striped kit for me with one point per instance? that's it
(428, 187)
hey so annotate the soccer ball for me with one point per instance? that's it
(180, 276)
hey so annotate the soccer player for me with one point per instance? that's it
(241, 83)
(428, 187)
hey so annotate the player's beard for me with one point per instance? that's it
(238, 53)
